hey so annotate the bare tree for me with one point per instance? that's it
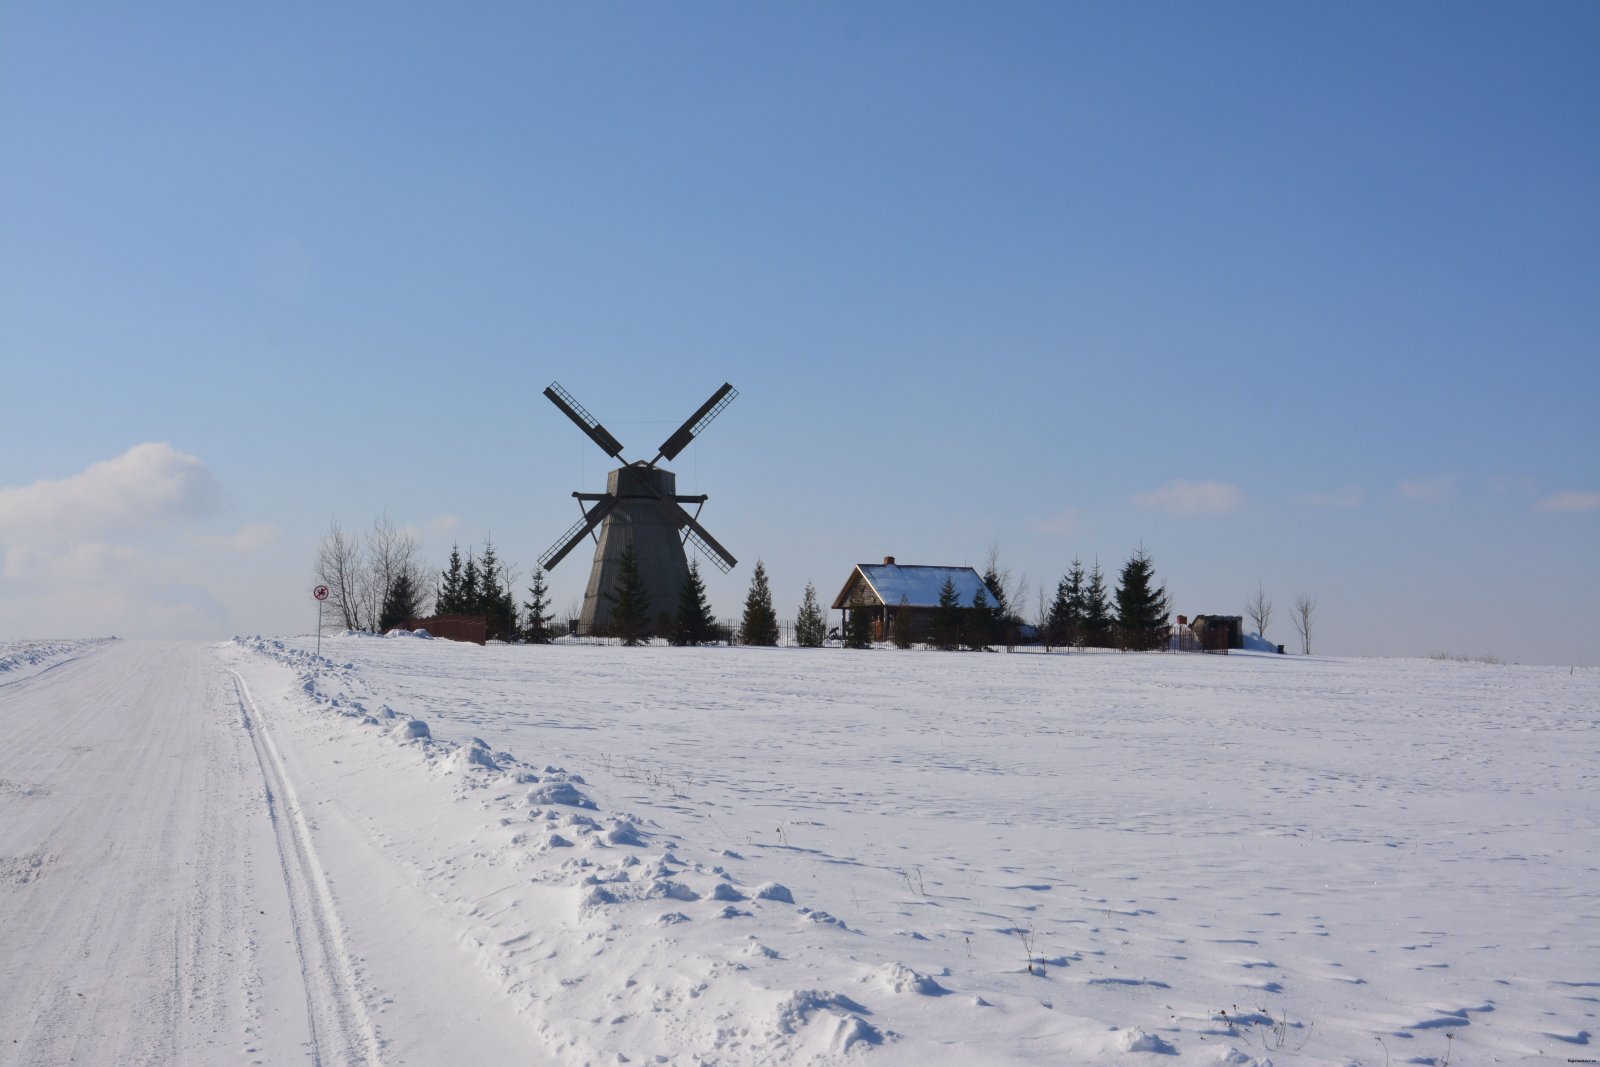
(1303, 607)
(1259, 608)
(339, 567)
(1010, 591)
(360, 572)
(1041, 618)
(384, 551)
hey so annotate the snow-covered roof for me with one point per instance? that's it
(919, 587)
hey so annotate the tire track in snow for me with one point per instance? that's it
(342, 1031)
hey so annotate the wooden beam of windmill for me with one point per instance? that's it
(580, 529)
(701, 536)
(696, 423)
(583, 420)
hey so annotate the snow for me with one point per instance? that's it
(23, 659)
(921, 586)
(584, 854)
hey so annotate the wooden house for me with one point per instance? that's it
(885, 589)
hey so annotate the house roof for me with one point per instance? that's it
(919, 587)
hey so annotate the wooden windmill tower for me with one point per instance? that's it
(640, 505)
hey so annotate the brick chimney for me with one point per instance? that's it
(888, 561)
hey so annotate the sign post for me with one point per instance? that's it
(319, 594)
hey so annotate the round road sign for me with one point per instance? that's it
(320, 592)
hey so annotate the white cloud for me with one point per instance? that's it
(1571, 500)
(1349, 496)
(89, 561)
(149, 485)
(107, 550)
(438, 528)
(1194, 498)
(1441, 487)
(251, 537)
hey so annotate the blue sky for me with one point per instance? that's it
(1304, 295)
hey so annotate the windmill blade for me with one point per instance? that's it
(580, 529)
(697, 422)
(699, 536)
(586, 422)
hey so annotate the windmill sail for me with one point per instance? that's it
(699, 536)
(586, 422)
(697, 422)
(580, 529)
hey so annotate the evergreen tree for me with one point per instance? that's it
(902, 625)
(694, 624)
(1077, 602)
(945, 633)
(997, 606)
(810, 625)
(538, 613)
(760, 623)
(399, 604)
(858, 633)
(497, 603)
(982, 618)
(1055, 622)
(471, 591)
(630, 600)
(1098, 624)
(1141, 608)
(1065, 625)
(447, 601)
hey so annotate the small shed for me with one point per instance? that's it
(473, 628)
(888, 588)
(1218, 633)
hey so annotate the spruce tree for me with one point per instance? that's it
(981, 621)
(496, 603)
(901, 630)
(1098, 624)
(694, 624)
(996, 585)
(760, 623)
(945, 633)
(471, 591)
(447, 601)
(537, 608)
(1077, 601)
(858, 633)
(810, 625)
(1055, 623)
(1141, 608)
(1066, 612)
(399, 604)
(630, 600)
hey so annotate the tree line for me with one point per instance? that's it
(377, 582)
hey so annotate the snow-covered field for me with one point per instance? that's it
(414, 851)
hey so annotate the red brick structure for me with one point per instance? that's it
(454, 627)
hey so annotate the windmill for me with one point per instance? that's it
(641, 504)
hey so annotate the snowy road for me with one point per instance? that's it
(162, 897)
(137, 868)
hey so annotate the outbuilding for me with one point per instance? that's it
(885, 589)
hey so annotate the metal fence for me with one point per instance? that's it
(1179, 639)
